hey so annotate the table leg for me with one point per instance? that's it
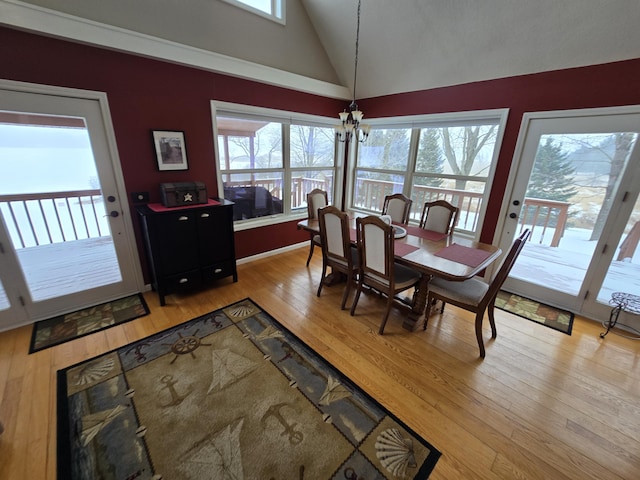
(418, 311)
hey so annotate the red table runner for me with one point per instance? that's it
(404, 249)
(461, 254)
(426, 234)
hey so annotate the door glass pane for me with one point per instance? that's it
(624, 272)
(573, 182)
(52, 206)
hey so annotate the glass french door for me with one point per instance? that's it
(575, 185)
(64, 241)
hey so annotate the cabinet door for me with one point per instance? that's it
(216, 235)
(176, 239)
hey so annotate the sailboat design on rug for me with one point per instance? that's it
(228, 368)
(334, 391)
(93, 423)
(218, 456)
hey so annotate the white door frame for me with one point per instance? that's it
(506, 227)
(130, 247)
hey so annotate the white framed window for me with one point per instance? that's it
(268, 160)
(272, 9)
(430, 157)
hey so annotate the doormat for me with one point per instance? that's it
(63, 328)
(230, 394)
(552, 317)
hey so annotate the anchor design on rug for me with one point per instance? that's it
(176, 399)
(295, 436)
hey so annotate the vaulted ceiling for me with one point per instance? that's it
(405, 45)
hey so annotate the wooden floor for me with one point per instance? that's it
(542, 405)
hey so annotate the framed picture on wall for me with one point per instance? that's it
(171, 151)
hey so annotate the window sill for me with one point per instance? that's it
(249, 224)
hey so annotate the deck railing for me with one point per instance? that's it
(550, 216)
(300, 186)
(43, 218)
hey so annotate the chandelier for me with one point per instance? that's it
(352, 116)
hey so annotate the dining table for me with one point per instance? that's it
(433, 254)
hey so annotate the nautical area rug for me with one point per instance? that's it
(63, 328)
(229, 395)
(551, 317)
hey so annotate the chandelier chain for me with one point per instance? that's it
(355, 71)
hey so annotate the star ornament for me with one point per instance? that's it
(188, 197)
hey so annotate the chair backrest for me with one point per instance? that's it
(375, 245)
(398, 207)
(334, 234)
(507, 264)
(439, 216)
(316, 199)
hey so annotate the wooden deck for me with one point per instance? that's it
(541, 405)
(61, 268)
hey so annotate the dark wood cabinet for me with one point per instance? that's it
(188, 247)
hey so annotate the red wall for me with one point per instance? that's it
(147, 94)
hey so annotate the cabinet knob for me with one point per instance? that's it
(204, 215)
(183, 218)
(217, 270)
(183, 280)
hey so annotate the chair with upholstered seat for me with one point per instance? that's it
(316, 199)
(337, 250)
(476, 295)
(378, 268)
(398, 207)
(439, 216)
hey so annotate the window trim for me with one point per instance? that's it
(417, 122)
(278, 7)
(283, 117)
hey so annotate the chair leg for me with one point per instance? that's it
(386, 314)
(322, 277)
(492, 320)
(345, 295)
(430, 303)
(355, 299)
(310, 252)
(479, 317)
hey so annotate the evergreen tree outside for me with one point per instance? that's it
(552, 177)
(429, 159)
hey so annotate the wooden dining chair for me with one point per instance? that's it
(337, 250)
(476, 295)
(316, 199)
(378, 269)
(439, 216)
(398, 207)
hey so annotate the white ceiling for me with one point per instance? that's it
(408, 45)
(405, 45)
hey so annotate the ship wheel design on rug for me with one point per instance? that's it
(186, 345)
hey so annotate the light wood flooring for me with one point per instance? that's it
(542, 405)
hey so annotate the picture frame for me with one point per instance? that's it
(171, 149)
